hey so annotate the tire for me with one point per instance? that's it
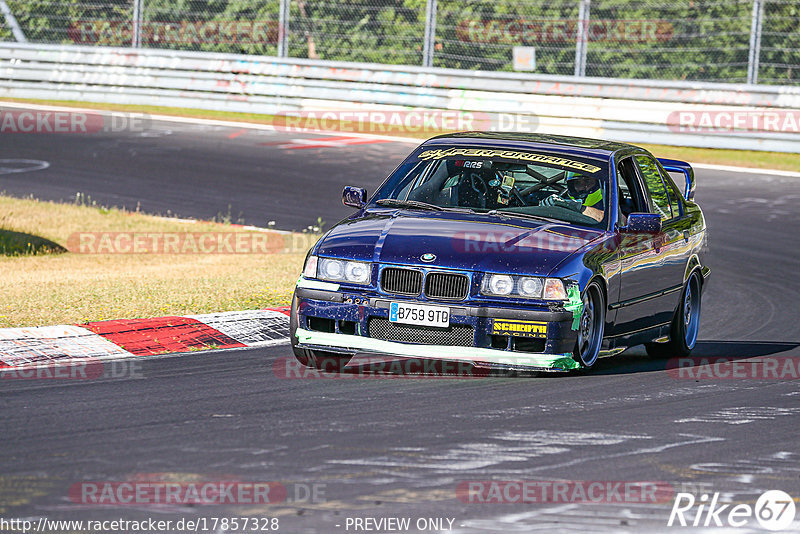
(313, 359)
(685, 324)
(591, 326)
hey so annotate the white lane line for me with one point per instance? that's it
(11, 166)
(647, 450)
(748, 170)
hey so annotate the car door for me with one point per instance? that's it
(647, 265)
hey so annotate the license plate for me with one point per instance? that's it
(417, 314)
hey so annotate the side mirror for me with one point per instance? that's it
(643, 223)
(355, 197)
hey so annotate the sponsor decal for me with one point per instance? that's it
(506, 327)
(469, 164)
(507, 154)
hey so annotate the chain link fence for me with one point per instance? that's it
(753, 41)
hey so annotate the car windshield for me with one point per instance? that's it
(511, 182)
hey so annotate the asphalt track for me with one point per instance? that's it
(399, 447)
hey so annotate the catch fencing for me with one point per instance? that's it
(726, 41)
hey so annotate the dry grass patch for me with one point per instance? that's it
(42, 289)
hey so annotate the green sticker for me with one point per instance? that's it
(575, 305)
(565, 364)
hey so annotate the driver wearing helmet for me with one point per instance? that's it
(584, 196)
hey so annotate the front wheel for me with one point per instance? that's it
(591, 326)
(685, 324)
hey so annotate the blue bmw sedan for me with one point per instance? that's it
(509, 250)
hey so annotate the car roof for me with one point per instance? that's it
(520, 140)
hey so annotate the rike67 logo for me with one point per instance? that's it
(774, 510)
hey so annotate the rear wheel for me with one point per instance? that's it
(591, 326)
(314, 359)
(685, 324)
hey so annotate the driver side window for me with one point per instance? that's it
(655, 186)
(630, 201)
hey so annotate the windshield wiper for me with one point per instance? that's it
(394, 203)
(524, 216)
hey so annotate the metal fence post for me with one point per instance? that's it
(430, 34)
(19, 35)
(755, 42)
(283, 29)
(583, 37)
(136, 38)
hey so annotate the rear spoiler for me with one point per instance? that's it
(674, 165)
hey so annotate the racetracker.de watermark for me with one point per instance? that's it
(176, 32)
(516, 241)
(727, 368)
(147, 492)
(188, 243)
(377, 367)
(493, 241)
(71, 122)
(531, 32)
(74, 369)
(401, 122)
(563, 491)
(734, 121)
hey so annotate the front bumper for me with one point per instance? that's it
(339, 308)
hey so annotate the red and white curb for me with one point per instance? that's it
(125, 338)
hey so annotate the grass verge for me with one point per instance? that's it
(741, 158)
(45, 285)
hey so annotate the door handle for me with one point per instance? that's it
(658, 242)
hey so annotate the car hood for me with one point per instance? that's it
(459, 241)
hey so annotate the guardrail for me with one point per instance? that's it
(641, 111)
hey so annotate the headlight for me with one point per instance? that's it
(357, 272)
(331, 269)
(348, 271)
(497, 284)
(310, 270)
(530, 287)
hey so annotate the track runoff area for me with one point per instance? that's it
(203, 438)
